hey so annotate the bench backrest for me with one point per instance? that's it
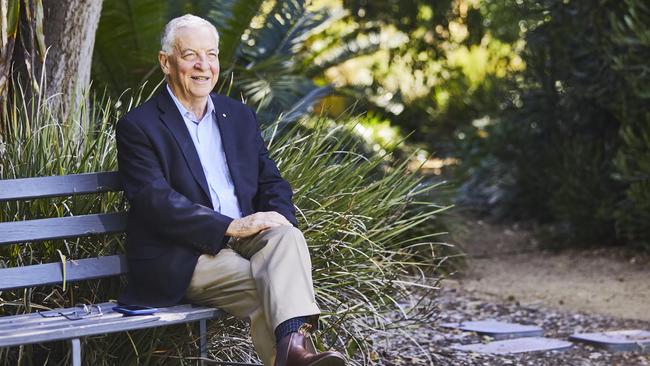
(21, 232)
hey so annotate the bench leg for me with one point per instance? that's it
(203, 328)
(76, 352)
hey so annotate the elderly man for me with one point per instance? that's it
(211, 219)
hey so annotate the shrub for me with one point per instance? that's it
(569, 149)
(630, 51)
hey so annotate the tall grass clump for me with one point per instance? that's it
(357, 212)
(36, 140)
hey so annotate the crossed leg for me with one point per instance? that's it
(266, 278)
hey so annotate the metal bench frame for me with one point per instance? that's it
(32, 327)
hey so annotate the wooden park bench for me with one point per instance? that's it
(75, 323)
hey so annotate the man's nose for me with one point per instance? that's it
(202, 62)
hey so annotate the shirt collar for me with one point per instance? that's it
(185, 112)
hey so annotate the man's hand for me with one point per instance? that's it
(253, 224)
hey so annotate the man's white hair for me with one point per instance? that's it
(168, 36)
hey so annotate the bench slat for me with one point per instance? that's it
(61, 227)
(27, 336)
(37, 333)
(38, 323)
(42, 187)
(51, 273)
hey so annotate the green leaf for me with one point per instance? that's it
(64, 263)
(40, 35)
(13, 13)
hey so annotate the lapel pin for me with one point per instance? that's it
(223, 114)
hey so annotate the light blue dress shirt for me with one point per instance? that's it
(207, 141)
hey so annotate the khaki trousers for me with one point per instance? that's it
(266, 278)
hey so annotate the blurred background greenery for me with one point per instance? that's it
(536, 110)
(532, 110)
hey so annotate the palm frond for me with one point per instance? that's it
(285, 29)
(274, 93)
(339, 49)
(303, 106)
(232, 18)
(129, 30)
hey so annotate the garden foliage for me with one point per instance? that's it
(571, 149)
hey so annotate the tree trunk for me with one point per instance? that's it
(7, 40)
(69, 27)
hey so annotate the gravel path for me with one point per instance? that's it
(460, 305)
(504, 260)
(509, 278)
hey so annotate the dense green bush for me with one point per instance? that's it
(356, 211)
(633, 163)
(630, 52)
(570, 148)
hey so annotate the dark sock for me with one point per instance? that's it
(289, 326)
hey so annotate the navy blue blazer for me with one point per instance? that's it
(171, 218)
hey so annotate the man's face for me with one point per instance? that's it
(192, 69)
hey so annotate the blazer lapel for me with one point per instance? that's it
(174, 121)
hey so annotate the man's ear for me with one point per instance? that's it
(163, 60)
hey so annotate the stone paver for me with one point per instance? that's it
(496, 329)
(517, 345)
(618, 340)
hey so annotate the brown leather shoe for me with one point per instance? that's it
(292, 350)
